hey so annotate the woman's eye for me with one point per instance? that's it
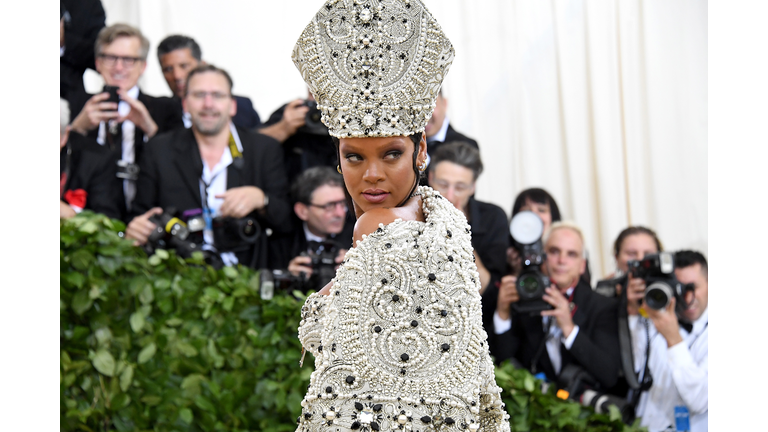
(394, 154)
(352, 157)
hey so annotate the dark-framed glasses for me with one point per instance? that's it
(110, 60)
(331, 206)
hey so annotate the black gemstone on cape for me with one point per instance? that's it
(395, 298)
(414, 323)
(377, 329)
(307, 415)
(432, 277)
(355, 425)
(358, 406)
(374, 426)
(426, 419)
(377, 407)
(449, 421)
(449, 236)
(450, 258)
(329, 389)
(444, 312)
(350, 379)
(418, 310)
(445, 347)
(388, 245)
(383, 281)
(404, 357)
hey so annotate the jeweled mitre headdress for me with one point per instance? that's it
(375, 67)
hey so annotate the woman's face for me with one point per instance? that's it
(378, 172)
(542, 210)
(635, 247)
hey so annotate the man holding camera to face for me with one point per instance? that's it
(577, 327)
(213, 169)
(122, 117)
(320, 206)
(678, 362)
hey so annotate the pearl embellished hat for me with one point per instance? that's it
(375, 67)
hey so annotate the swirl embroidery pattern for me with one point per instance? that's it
(375, 67)
(399, 343)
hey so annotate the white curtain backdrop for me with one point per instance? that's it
(602, 103)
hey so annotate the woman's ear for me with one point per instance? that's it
(422, 158)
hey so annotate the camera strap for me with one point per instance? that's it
(67, 168)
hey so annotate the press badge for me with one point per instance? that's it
(682, 419)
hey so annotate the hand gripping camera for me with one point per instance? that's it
(526, 229)
(235, 235)
(658, 271)
(170, 233)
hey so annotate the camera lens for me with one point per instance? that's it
(249, 229)
(528, 285)
(657, 295)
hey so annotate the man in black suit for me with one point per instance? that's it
(580, 330)
(80, 22)
(121, 53)
(453, 172)
(214, 169)
(439, 130)
(320, 207)
(86, 175)
(178, 55)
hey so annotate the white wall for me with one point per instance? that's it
(602, 103)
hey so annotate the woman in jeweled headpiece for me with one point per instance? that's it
(397, 335)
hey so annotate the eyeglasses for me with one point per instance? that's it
(217, 96)
(459, 188)
(110, 60)
(331, 206)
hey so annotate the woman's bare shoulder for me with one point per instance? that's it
(370, 220)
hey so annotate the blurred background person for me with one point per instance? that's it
(179, 54)
(453, 172)
(439, 129)
(80, 23)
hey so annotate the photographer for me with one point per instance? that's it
(305, 140)
(320, 207)
(126, 123)
(679, 359)
(579, 329)
(633, 243)
(453, 172)
(213, 168)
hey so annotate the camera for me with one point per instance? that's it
(323, 262)
(127, 170)
(526, 229)
(658, 271)
(584, 389)
(313, 121)
(171, 233)
(234, 235)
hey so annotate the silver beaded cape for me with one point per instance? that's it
(399, 343)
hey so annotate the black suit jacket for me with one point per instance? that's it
(595, 349)
(171, 168)
(489, 235)
(92, 169)
(451, 135)
(84, 20)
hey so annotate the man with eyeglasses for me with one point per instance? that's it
(121, 53)
(453, 172)
(213, 169)
(321, 208)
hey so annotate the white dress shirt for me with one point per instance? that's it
(680, 374)
(216, 180)
(554, 337)
(129, 152)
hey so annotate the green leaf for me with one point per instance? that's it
(103, 335)
(186, 349)
(230, 272)
(204, 404)
(154, 260)
(120, 401)
(614, 413)
(104, 362)
(147, 353)
(81, 302)
(174, 322)
(76, 279)
(528, 383)
(126, 378)
(147, 295)
(89, 227)
(152, 400)
(137, 321)
(228, 304)
(81, 259)
(162, 254)
(185, 414)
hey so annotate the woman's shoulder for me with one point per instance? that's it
(370, 220)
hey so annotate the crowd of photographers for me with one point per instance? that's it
(199, 171)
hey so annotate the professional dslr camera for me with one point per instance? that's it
(658, 271)
(235, 235)
(171, 233)
(526, 229)
(312, 122)
(584, 389)
(323, 255)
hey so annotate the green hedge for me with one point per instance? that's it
(157, 343)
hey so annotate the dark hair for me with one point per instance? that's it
(536, 195)
(687, 258)
(207, 68)
(632, 231)
(311, 179)
(460, 153)
(415, 138)
(177, 42)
